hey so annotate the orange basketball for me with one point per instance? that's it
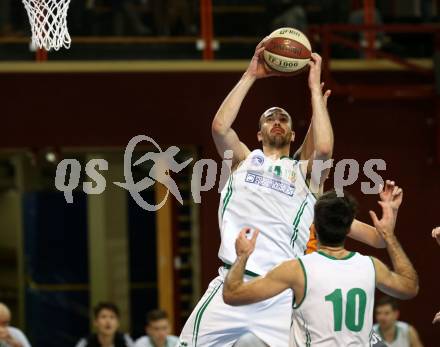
(287, 50)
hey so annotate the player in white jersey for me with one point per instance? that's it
(334, 288)
(268, 190)
(393, 332)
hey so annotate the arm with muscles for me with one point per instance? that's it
(305, 151)
(402, 282)
(225, 137)
(237, 292)
(414, 338)
(321, 128)
(368, 234)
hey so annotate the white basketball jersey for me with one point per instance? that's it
(270, 195)
(337, 309)
(402, 335)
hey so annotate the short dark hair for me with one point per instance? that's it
(263, 116)
(105, 306)
(333, 217)
(387, 300)
(156, 315)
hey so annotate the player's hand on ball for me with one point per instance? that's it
(315, 73)
(258, 67)
(392, 194)
(436, 235)
(245, 245)
(436, 318)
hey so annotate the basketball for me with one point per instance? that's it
(287, 50)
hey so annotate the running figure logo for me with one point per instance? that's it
(164, 162)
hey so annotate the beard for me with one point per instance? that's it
(277, 140)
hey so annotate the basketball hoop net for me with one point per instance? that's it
(48, 19)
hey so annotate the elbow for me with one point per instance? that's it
(217, 127)
(229, 298)
(380, 244)
(324, 152)
(411, 292)
(324, 148)
(415, 287)
(415, 290)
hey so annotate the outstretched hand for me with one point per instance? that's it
(391, 198)
(244, 246)
(392, 194)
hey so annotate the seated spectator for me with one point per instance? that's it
(106, 324)
(10, 336)
(158, 330)
(392, 331)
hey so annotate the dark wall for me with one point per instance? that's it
(109, 109)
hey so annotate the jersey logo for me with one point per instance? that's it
(270, 183)
(257, 160)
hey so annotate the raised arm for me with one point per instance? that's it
(237, 292)
(305, 151)
(368, 234)
(225, 137)
(402, 282)
(320, 137)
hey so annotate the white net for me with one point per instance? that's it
(48, 19)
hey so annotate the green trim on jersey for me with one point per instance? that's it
(297, 220)
(396, 334)
(308, 338)
(228, 194)
(246, 272)
(200, 313)
(307, 183)
(306, 328)
(375, 274)
(305, 285)
(351, 254)
(286, 157)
